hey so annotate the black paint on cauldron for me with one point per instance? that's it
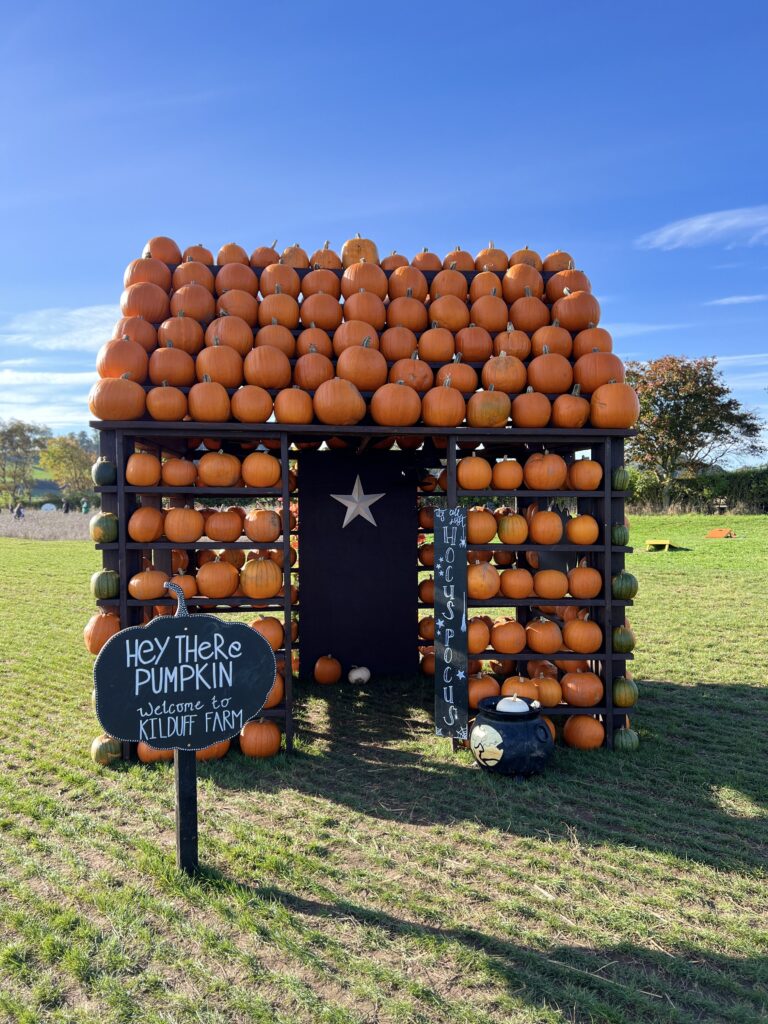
(513, 744)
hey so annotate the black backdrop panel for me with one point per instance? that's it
(358, 584)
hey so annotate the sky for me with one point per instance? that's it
(633, 136)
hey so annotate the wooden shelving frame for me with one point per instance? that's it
(442, 448)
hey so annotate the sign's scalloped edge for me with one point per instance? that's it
(195, 617)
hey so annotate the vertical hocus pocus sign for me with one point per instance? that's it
(451, 622)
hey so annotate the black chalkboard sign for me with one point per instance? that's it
(451, 622)
(182, 684)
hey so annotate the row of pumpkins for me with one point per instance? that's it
(215, 357)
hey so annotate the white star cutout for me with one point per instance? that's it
(357, 504)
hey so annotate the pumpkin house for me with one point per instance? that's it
(278, 428)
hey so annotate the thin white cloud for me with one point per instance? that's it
(17, 362)
(45, 379)
(737, 300)
(747, 225)
(634, 330)
(83, 329)
(751, 358)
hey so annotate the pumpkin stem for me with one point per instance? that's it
(366, 342)
(528, 292)
(576, 389)
(313, 348)
(164, 384)
(206, 379)
(434, 325)
(274, 321)
(409, 291)
(327, 244)
(566, 291)
(447, 381)
(510, 326)
(453, 265)
(278, 290)
(273, 244)
(545, 350)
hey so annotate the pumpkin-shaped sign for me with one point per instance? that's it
(183, 682)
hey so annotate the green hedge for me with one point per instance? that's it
(743, 490)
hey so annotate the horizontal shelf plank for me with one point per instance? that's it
(197, 545)
(190, 429)
(535, 602)
(275, 492)
(221, 603)
(526, 655)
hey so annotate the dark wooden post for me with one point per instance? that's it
(185, 766)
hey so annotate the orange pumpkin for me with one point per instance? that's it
(183, 525)
(480, 687)
(482, 581)
(583, 636)
(117, 398)
(143, 470)
(146, 524)
(570, 411)
(585, 475)
(98, 629)
(260, 577)
(551, 584)
(217, 579)
(544, 471)
(545, 528)
(516, 583)
(615, 406)
(474, 473)
(327, 670)
(508, 636)
(576, 311)
(148, 585)
(122, 357)
(251, 404)
(520, 281)
(596, 368)
(582, 689)
(584, 583)
(520, 686)
(543, 636)
(260, 739)
(531, 409)
(583, 732)
(582, 529)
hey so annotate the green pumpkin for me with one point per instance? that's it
(105, 584)
(624, 692)
(626, 740)
(624, 586)
(105, 749)
(103, 527)
(623, 640)
(103, 472)
(620, 479)
(619, 535)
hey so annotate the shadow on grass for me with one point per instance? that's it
(696, 789)
(616, 983)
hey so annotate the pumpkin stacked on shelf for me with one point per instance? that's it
(248, 565)
(493, 340)
(544, 645)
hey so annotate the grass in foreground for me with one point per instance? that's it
(376, 876)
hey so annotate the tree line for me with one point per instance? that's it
(65, 458)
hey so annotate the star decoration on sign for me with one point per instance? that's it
(357, 504)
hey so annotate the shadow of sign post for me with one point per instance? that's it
(182, 683)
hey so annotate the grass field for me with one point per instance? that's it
(377, 877)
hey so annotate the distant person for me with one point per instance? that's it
(18, 512)
(85, 508)
(65, 506)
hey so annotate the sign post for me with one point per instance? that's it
(451, 714)
(182, 684)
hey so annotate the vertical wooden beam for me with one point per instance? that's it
(185, 769)
(287, 602)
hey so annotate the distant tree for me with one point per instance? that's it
(68, 459)
(689, 420)
(20, 447)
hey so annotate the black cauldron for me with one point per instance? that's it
(509, 742)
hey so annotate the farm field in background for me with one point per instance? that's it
(376, 876)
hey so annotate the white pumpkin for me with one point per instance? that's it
(512, 705)
(359, 674)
